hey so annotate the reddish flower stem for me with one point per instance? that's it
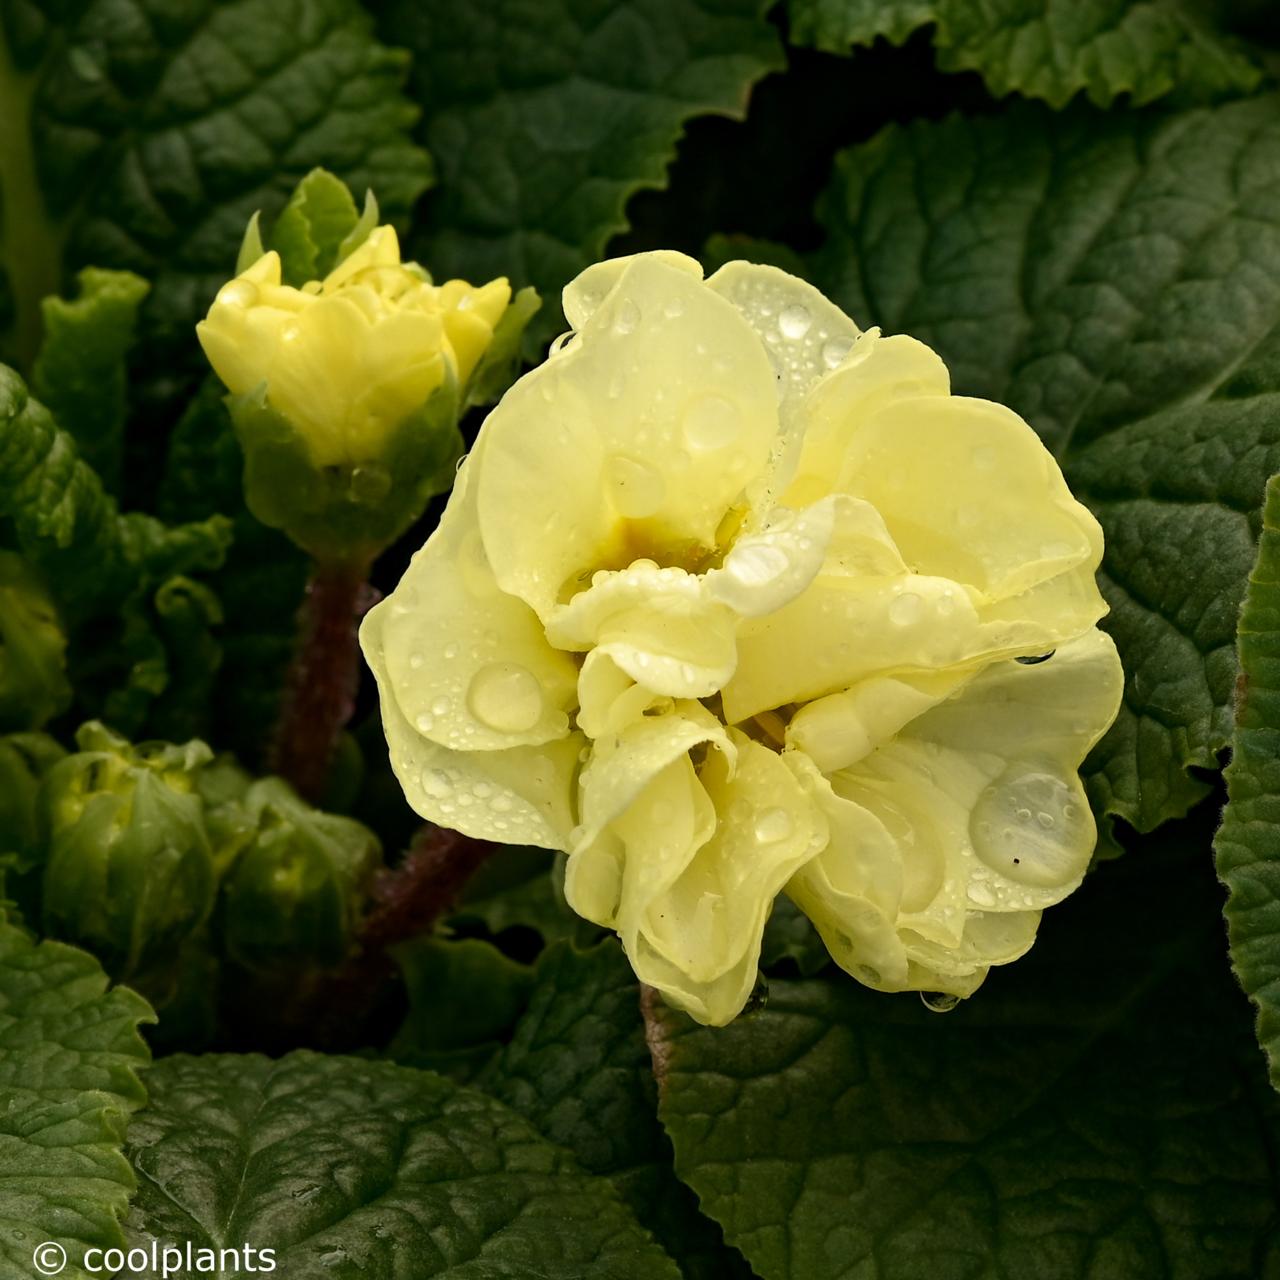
(320, 689)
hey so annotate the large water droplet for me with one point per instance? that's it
(710, 422)
(981, 894)
(938, 1001)
(906, 609)
(637, 489)
(1047, 852)
(756, 563)
(435, 782)
(773, 825)
(795, 322)
(506, 697)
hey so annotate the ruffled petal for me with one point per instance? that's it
(697, 937)
(467, 665)
(632, 442)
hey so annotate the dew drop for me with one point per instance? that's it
(674, 307)
(906, 609)
(1037, 853)
(239, 293)
(981, 894)
(440, 706)
(1045, 820)
(506, 697)
(756, 563)
(834, 351)
(416, 660)
(637, 489)
(795, 322)
(938, 1001)
(435, 782)
(451, 651)
(425, 723)
(865, 973)
(627, 317)
(710, 422)
(773, 825)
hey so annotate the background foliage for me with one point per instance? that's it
(1077, 203)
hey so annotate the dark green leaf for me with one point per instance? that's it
(352, 1168)
(1248, 843)
(578, 1067)
(69, 1056)
(1117, 281)
(1051, 49)
(544, 121)
(1096, 1110)
(143, 135)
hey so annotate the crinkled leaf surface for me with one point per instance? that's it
(1097, 1110)
(1051, 49)
(69, 1056)
(1248, 842)
(143, 134)
(353, 1168)
(578, 1067)
(1115, 279)
(545, 118)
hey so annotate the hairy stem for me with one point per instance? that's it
(320, 689)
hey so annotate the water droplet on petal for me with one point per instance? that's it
(865, 973)
(756, 563)
(627, 317)
(673, 308)
(1036, 853)
(440, 706)
(710, 422)
(506, 697)
(435, 782)
(981, 894)
(239, 293)
(834, 352)
(637, 489)
(425, 723)
(938, 1001)
(906, 609)
(773, 825)
(795, 322)
(416, 660)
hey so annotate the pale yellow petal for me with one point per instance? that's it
(660, 626)
(583, 296)
(609, 699)
(631, 443)
(469, 666)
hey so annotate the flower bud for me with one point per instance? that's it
(292, 899)
(346, 391)
(130, 872)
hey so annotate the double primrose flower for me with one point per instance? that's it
(731, 599)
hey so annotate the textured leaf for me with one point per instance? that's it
(1096, 1110)
(1248, 843)
(1051, 49)
(578, 1067)
(142, 134)
(69, 1056)
(349, 1168)
(1117, 281)
(544, 119)
(80, 372)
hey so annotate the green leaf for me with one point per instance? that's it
(788, 935)
(1051, 49)
(1116, 280)
(544, 129)
(80, 372)
(578, 1067)
(144, 137)
(353, 1168)
(1095, 1110)
(69, 1056)
(464, 997)
(33, 681)
(1248, 842)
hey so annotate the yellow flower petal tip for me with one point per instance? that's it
(733, 599)
(348, 358)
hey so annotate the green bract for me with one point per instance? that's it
(33, 682)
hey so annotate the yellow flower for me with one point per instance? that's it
(348, 358)
(729, 600)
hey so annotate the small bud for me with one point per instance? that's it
(130, 872)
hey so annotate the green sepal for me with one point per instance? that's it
(24, 759)
(130, 871)
(251, 246)
(346, 512)
(501, 360)
(292, 900)
(318, 228)
(33, 649)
